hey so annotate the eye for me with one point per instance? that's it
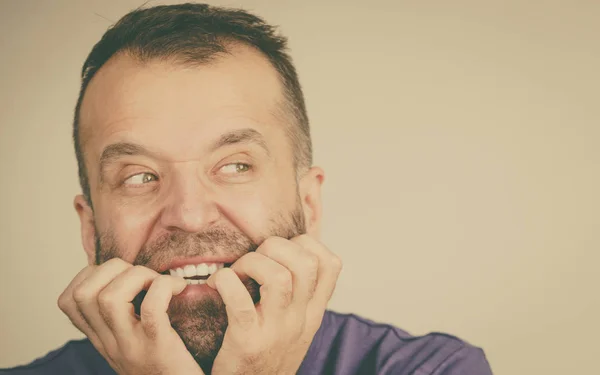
(235, 168)
(140, 179)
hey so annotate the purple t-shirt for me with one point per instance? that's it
(345, 344)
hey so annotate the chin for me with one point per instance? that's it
(201, 326)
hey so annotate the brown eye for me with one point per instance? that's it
(140, 179)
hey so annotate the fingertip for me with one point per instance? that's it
(179, 283)
(211, 281)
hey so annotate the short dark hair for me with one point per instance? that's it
(194, 34)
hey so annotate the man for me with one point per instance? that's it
(200, 213)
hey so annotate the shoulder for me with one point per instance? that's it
(75, 357)
(350, 344)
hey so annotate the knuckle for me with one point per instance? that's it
(106, 299)
(283, 279)
(63, 302)
(81, 293)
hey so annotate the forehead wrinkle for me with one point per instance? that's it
(119, 66)
(235, 137)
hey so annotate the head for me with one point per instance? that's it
(192, 140)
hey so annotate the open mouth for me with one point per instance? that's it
(196, 273)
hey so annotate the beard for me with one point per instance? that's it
(201, 323)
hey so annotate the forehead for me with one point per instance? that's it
(161, 102)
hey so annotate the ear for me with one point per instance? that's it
(310, 195)
(88, 229)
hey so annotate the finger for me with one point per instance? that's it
(88, 292)
(115, 299)
(330, 266)
(276, 281)
(302, 264)
(65, 301)
(153, 314)
(67, 305)
(240, 308)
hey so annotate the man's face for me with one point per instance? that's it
(188, 165)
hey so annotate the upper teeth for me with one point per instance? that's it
(202, 269)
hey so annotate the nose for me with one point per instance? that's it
(190, 206)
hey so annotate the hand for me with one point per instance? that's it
(98, 302)
(297, 279)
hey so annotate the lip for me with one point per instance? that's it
(196, 292)
(182, 262)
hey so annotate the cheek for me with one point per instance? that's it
(130, 228)
(252, 210)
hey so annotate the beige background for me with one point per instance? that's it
(460, 141)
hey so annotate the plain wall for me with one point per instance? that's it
(460, 145)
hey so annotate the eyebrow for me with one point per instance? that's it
(117, 150)
(241, 136)
(247, 135)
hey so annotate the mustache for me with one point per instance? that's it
(182, 244)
